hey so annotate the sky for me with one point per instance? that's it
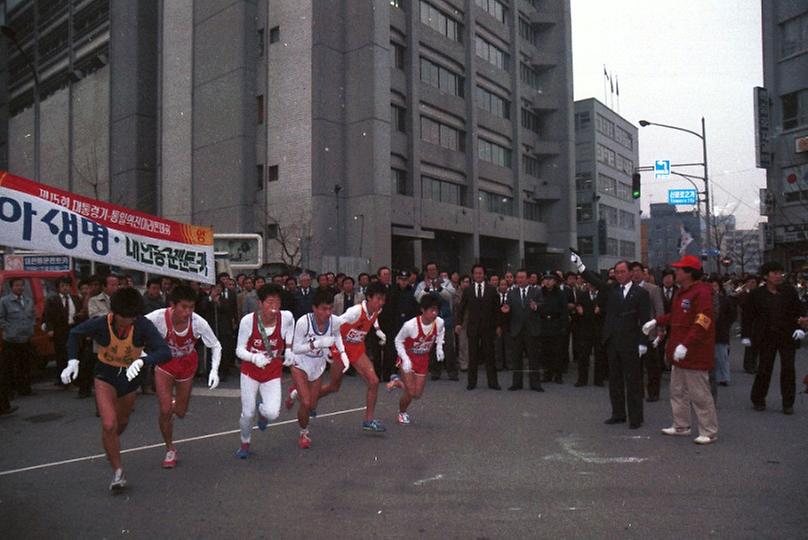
(675, 62)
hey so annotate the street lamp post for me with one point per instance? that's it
(703, 136)
(11, 35)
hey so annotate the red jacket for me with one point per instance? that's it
(692, 324)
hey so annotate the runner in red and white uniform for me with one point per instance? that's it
(181, 328)
(264, 345)
(413, 344)
(354, 326)
(316, 333)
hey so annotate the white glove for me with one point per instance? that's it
(655, 343)
(439, 354)
(70, 372)
(134, 369)
(798, 335)
(345, 362)
(260, 360)
(323, 342)
(288, 357)
(406, 365)
(648, 327)
(381, 336)
(576, 260)
(746, 342)
(213, 379)
(642, 349)
(679, 353)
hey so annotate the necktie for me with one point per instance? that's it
(502, 300)
(479, 290)
(523, 296)
(66, 308)
(622, 292)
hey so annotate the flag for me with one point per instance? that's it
(611, 85)
(684, 240)
(616, 85)
(606, 73)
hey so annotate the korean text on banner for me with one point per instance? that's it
(43, 218)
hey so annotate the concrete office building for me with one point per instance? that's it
(745, 248)
(378, 132)
(606, 152)
(665, 226)
(785, 78)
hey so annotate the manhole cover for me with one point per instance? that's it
(41, 418)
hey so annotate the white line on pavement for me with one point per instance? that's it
(150, 446)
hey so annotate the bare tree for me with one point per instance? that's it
(292, 239)
(718, 230)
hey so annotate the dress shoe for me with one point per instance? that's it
(547, 378)
(788, 410)
(600, 383)
(453, 378)
(514, 387)
(495, 387)
(435, 377)
(471, 387)
(759, 407)
(27, 392)
(558, 379)
(635, 425)
(652, 399)
(579, 384)
(537, 388)
(9, 410)
(723, 383)
(83, 395)
(615, 421)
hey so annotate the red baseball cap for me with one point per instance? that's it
(688, 261)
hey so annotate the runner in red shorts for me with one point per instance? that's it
(181, 328)
(413, 344)
(355, 324)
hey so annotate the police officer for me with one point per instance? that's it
(552, 310)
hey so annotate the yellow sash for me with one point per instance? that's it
(119, 352)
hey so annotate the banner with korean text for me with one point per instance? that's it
(43, 218)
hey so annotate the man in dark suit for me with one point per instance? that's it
(61, 312)
(303, 296)
(478, 309)
(627, 307)
(586, 332)
(553, 312)
(524, 328)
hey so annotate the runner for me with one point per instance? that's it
(264, 339)
(316, 333)
(122, 337)
(181, 328)
(354, 326)
(413, 344)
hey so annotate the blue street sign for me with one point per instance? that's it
(662, 169)
(678, 197)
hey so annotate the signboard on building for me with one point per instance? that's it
(763, 150)
(662, 169)
(39, 217)
(785, 234)
(245, 251)
(678, 197)
(766, 203)
(801, 145)
(37, 263)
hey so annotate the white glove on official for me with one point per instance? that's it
(381, 336)
(406, 365)
(642, 349)
(345, 362)
(260, 360)
(648, 327)
(746, 342)
(679, 353)
(213, 379)
(134, 369)
(70, 372)
(576, 260)
(798, 335)
(439, 354)
(655, 343)
(323, 342)
(288, 357)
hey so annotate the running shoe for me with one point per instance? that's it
(394, 382)
(243, 453)
(170, 460)
(263, 422)
(290, 401)
(304, 441)
(374, 425)
(403, 418)
(118, 481)
(312, 414)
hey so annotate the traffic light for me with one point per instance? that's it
(635, 185)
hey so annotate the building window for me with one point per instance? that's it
(496, 203)
(604, 126)
(492, 103)
(260, 39)
(624, 137)
(528, 33)
(443, 135)
(627, 249)
(606, 156)
(611, 246)
(607, 185)
(491, 53)
(585, 245)
(273, 173)
(794, 35)
(583, 212)
(624, 164)
(530, 121)
(609, 214)
(583, 180)
(494, 153)
(274, 34)
(795, 109)
(528, 76)
(259, 101)
(530, 165)
(624, 192)
(495, 8)
(439, 21)
(442, 191)
(627, 220)
(531, 211)
(259, 175)
(398, 118)
(582, 120)
(396, 55)
(442, 78)
(399, 181)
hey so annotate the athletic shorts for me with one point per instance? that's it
(420, 364)
(354, 351)
(182, 368)
(116, 376)
(312, 367)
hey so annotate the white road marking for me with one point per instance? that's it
(158, 445)
(425, 480)
(569, 444)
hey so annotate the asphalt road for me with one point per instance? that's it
(479, 464)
